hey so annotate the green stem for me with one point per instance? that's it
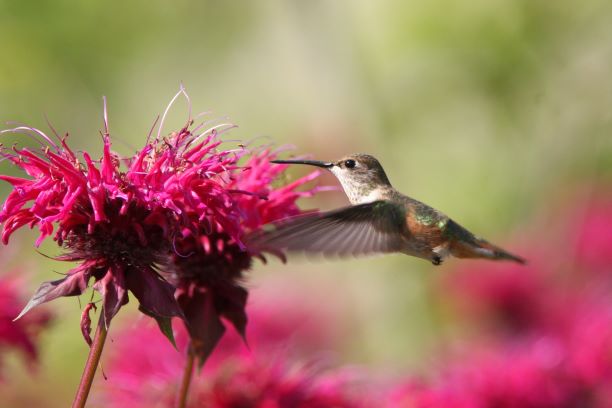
(95, 351)
(183, 392)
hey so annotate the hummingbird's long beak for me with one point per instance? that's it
(325, 165)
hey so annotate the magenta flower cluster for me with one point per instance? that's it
(166, 224)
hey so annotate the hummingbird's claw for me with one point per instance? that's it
(436, 260)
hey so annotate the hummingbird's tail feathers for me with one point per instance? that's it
(479, 248)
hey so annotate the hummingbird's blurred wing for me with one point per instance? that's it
(356, 230)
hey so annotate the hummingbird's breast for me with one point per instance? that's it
(363, 194)
(369, 196)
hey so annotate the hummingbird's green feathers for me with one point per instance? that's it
(443, 235)
(425, 223)
(362, 229)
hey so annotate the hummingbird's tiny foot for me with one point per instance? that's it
(436, 260)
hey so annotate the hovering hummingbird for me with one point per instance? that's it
(380, 220)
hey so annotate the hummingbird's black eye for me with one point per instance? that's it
(350, 163)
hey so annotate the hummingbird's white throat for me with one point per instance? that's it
(357, 193)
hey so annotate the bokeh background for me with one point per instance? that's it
(493, 111)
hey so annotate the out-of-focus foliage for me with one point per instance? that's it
(487, 110)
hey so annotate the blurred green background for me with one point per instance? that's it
(485, 109)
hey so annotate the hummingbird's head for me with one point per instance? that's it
(361, 175)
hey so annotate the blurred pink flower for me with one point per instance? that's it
(511, 299)
(265, 383)
(270, 373)
(571, 368)
(543, 371)
(545, 293)
(22, 334)
(555, 346)
(591, 227)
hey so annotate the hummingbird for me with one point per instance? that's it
(380, 219)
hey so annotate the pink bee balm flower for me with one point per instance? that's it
(572, 370)
(568, 367)
(209, 262)
(592, 229)
(120, 218)
(260, 179)
(508, 297)
(18, 335)
(265, 383)
(270, 373)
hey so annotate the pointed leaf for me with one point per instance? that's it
(73, 284)
(232, 306)
(155, 295)
(114, 293)
(203, 323)
(165, 326)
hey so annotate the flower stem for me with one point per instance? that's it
(95, 351)
(181, 398)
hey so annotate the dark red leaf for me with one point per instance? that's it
(232, 306)
(203, 323)
(72, 285)
(165, 326)
(113, 289)
(156, 296)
